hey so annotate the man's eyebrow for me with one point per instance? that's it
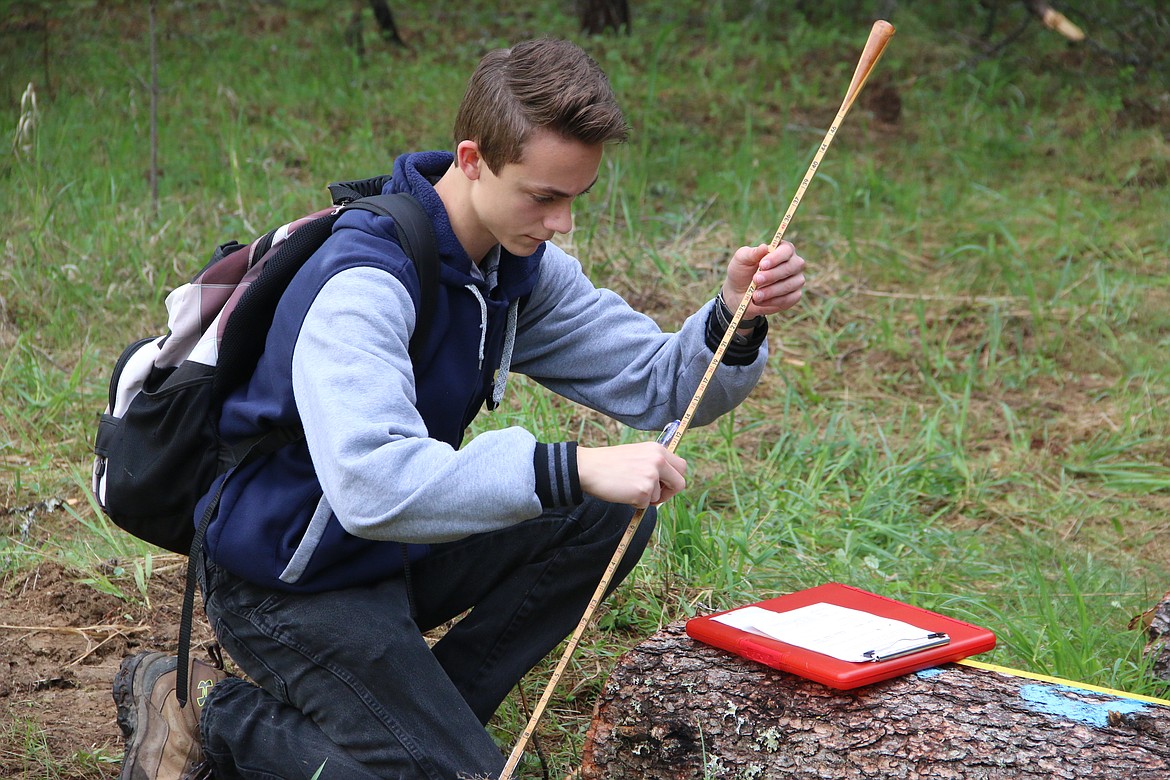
(559, 194)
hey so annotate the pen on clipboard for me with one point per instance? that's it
(936, 639)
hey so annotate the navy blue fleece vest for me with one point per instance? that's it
(266, 507)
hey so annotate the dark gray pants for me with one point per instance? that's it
(345, 678)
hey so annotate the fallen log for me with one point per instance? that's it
(675, 709)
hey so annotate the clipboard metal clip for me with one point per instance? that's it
(893, 650)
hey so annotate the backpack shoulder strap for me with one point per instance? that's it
(417, 236)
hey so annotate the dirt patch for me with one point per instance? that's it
(61, 642)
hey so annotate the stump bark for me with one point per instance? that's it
(1155, 622)
(675, 709)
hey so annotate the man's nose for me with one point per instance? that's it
(560, 219)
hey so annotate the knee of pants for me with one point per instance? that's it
(641, 538)
(645, 531)
(614, 519)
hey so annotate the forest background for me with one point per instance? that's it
(968, 411)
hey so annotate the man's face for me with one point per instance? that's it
(532, 199)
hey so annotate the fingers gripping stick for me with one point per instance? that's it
(879, 36)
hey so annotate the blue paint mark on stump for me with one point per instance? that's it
(926, 674)
(1065, 702)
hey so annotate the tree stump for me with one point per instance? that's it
(1155, 622)
(675, 709)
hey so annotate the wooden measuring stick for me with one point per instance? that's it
(879, 36)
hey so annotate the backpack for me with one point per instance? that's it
(157, 449)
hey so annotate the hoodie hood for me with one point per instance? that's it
(417, 173)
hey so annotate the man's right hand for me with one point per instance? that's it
(636, 474)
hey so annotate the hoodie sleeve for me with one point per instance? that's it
(589, 345)
(382, 475)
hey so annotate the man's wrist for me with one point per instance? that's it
(725, 314)
(743, 348)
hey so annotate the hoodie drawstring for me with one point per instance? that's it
(506, 358)
(482, 320)
(501, 381)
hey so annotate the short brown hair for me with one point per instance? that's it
(544, 83)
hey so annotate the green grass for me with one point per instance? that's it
(968, 411)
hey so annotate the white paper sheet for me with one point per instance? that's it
(843, 633)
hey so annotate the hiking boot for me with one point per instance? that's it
(162, 739)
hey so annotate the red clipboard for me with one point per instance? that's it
(965, 639)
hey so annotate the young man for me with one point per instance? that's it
(330, 558)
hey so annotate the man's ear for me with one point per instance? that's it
(468, 159)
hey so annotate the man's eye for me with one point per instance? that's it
(543, 199)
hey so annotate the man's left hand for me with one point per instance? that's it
(779, 278)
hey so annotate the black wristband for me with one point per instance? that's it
(742, 350)
(724, 312)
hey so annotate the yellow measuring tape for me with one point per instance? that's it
(1059, 681)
